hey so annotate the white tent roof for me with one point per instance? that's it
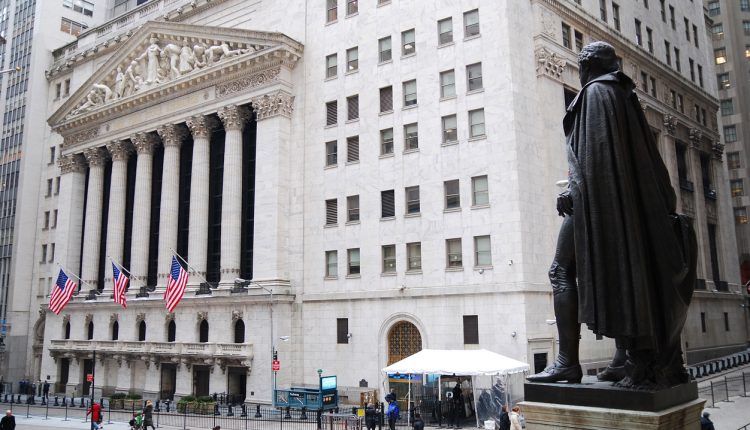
(458, 362)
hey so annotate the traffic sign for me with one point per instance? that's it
(275, 365)
(90, 377)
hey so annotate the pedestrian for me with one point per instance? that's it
(148, 415)
(45, 390)
(96, 416)
(504, 418)
(457, 405)
(515, 418)
(393, 412)
(418, 423)
(371, 416)
(706, 424)
(8, 422)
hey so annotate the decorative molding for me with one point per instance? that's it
(66, 318)
(718, 150)
(269, 105)
(144, 142)
(80, 137)
(88, 319)
(202, 315)
(171, 134)
(696, 136)
(549, 63)
(236, 315)
(247, 82)
(140, 317)
(169, 317)
(201, 125)
(113, 318)
(670, 124)
(234, 117)
(96, 156)
(71, 163)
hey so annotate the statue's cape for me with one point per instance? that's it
(630, 260)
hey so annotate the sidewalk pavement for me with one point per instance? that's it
(730, 415)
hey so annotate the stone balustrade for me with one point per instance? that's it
(85, 347)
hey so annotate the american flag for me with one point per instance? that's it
(120, 282)
(61, 293)
(178, 278)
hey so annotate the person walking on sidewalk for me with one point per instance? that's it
(393, 412)
(706, 424)
(96, 415)
(371, 417)
(8, 422)
(148, 415)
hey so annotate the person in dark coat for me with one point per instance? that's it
(634, 259)
(371, 417)
(418, 423)
(45, 390)
(8, 422)
(504, 419)
(148, 415)
(706, 424)
(393, 413)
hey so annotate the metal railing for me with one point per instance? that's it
(723, 389)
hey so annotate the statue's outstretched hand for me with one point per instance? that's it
(564, 204)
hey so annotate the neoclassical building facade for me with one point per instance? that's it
(383, 171)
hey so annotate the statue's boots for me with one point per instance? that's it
(615, 371)
(566, 367)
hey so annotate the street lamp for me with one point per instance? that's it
(16, 69)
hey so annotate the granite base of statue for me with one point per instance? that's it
(625, 266)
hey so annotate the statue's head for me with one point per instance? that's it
(596, 59)
(154, 39)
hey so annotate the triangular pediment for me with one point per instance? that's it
(163, 56)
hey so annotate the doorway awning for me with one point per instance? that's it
(457, 362)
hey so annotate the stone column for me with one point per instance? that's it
(273, 182)
(124, 376)
(152, 380)
(201, 127)
(184, 379)
(96, 158)
(120, 152)
(217, 379)
(234, 119)
(69, 231)
(74, 385)
(171, 137)
(144, 146)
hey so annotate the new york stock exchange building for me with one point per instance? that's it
(344, 185)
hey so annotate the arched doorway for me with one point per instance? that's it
(404, 340)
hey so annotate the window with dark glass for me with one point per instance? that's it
(471, 330)
(342, 330)
(387, 204)
(142, 331)
(239, 331)
(115, 330)
(203, 332)
(171, 331)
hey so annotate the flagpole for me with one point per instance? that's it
(189, 266)
(68, 272)
(120, 266)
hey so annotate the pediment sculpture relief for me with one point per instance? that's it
(160, 62)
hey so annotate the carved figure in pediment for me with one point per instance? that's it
(187, 59)
(199, 55)
(132, 80)
(152, 61)
(106, 92)
(119, 83)
(93, 99)
(222, 51)
(173, 52)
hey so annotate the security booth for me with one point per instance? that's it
(324, 397)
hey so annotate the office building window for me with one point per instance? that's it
(445, 31)
(452, 194)
(384, 47)
(408, 45)
(332, 113)
(410, 93)
(331, 66)
(352, 107)
(411, 137)
(474, 76)
(663, 10)
(726, 321)
(386, 141)
(746, 27)
(386, 99)
(733, 160)
(644, 82)
(352, 59)
(352, 7)
(723, 81)
(54, 219)
(342, 328)
(720, 55)
(332, 264)
(603, 10)
(476, 123)
(331, 10)
(450, 133)
(687, 29)
(714, 8)
(389, 258)
(638, 34)
(695, 36)
(737, 186)
(454, 258)
(668, 52)
(482, 251)
(447, 84)
(740, 215)
(331, 153)
(578, 40)
(616, 16)
(653, 87)
(692, 69)
(650, 40)
(677, 64)
(414, 256)
(331, 212)
(387, 204)
(44, 254)
(471, 330)
(730, 133)
(480, 191)
(352, 149)
(49, 188)
(352, 208)
(471, 23)
(46, 220)
(352, 258)
(700, 75)
(717, 31)
(566, 36)
(745, 5)
(81, 6)
(671, 18)
(58, 90)
(703, 322)
(412, 199)
(727, 107)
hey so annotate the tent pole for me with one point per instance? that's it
(440, 388)
(408, 405)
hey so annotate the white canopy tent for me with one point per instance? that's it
(474, 363)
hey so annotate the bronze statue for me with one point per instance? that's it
(633, 257)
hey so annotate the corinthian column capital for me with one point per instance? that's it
(96, 156)
(171, 134)
(272, 104)
(234, 117)
(71, 163)
(201, 125)
(144, 142)
(120, 150)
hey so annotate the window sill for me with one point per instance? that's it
(451, 143)
(332, 22)
(386, 274)
(414, 272)
(387, 218)
(385, 62)
(387, 112)
(414, 106)
(478, 268)
(330, 78)
(351, 15)
(389, 155)
(475, 138)
(352, 72)
(409, 55)
(331, 125)
(411, 150)
(451, 43)
(352, 222)
(384, 3)
(454, 269)
(449, 210)
(331, 225)
(476, 91)
(352, 121)
(484, 206)
(351, 163)
(472, 37)
(413, 215)
(353, 276)
(330, 278)
(453, 97)
(331, 166)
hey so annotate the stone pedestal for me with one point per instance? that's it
(594, 405)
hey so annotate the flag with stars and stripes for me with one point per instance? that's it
(178, 278)
(120, 283)
(61, 293)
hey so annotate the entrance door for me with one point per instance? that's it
(168, 381)
(88, 367)
(200, 380)
(64, 374)
(404, 340)
(236, 382)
